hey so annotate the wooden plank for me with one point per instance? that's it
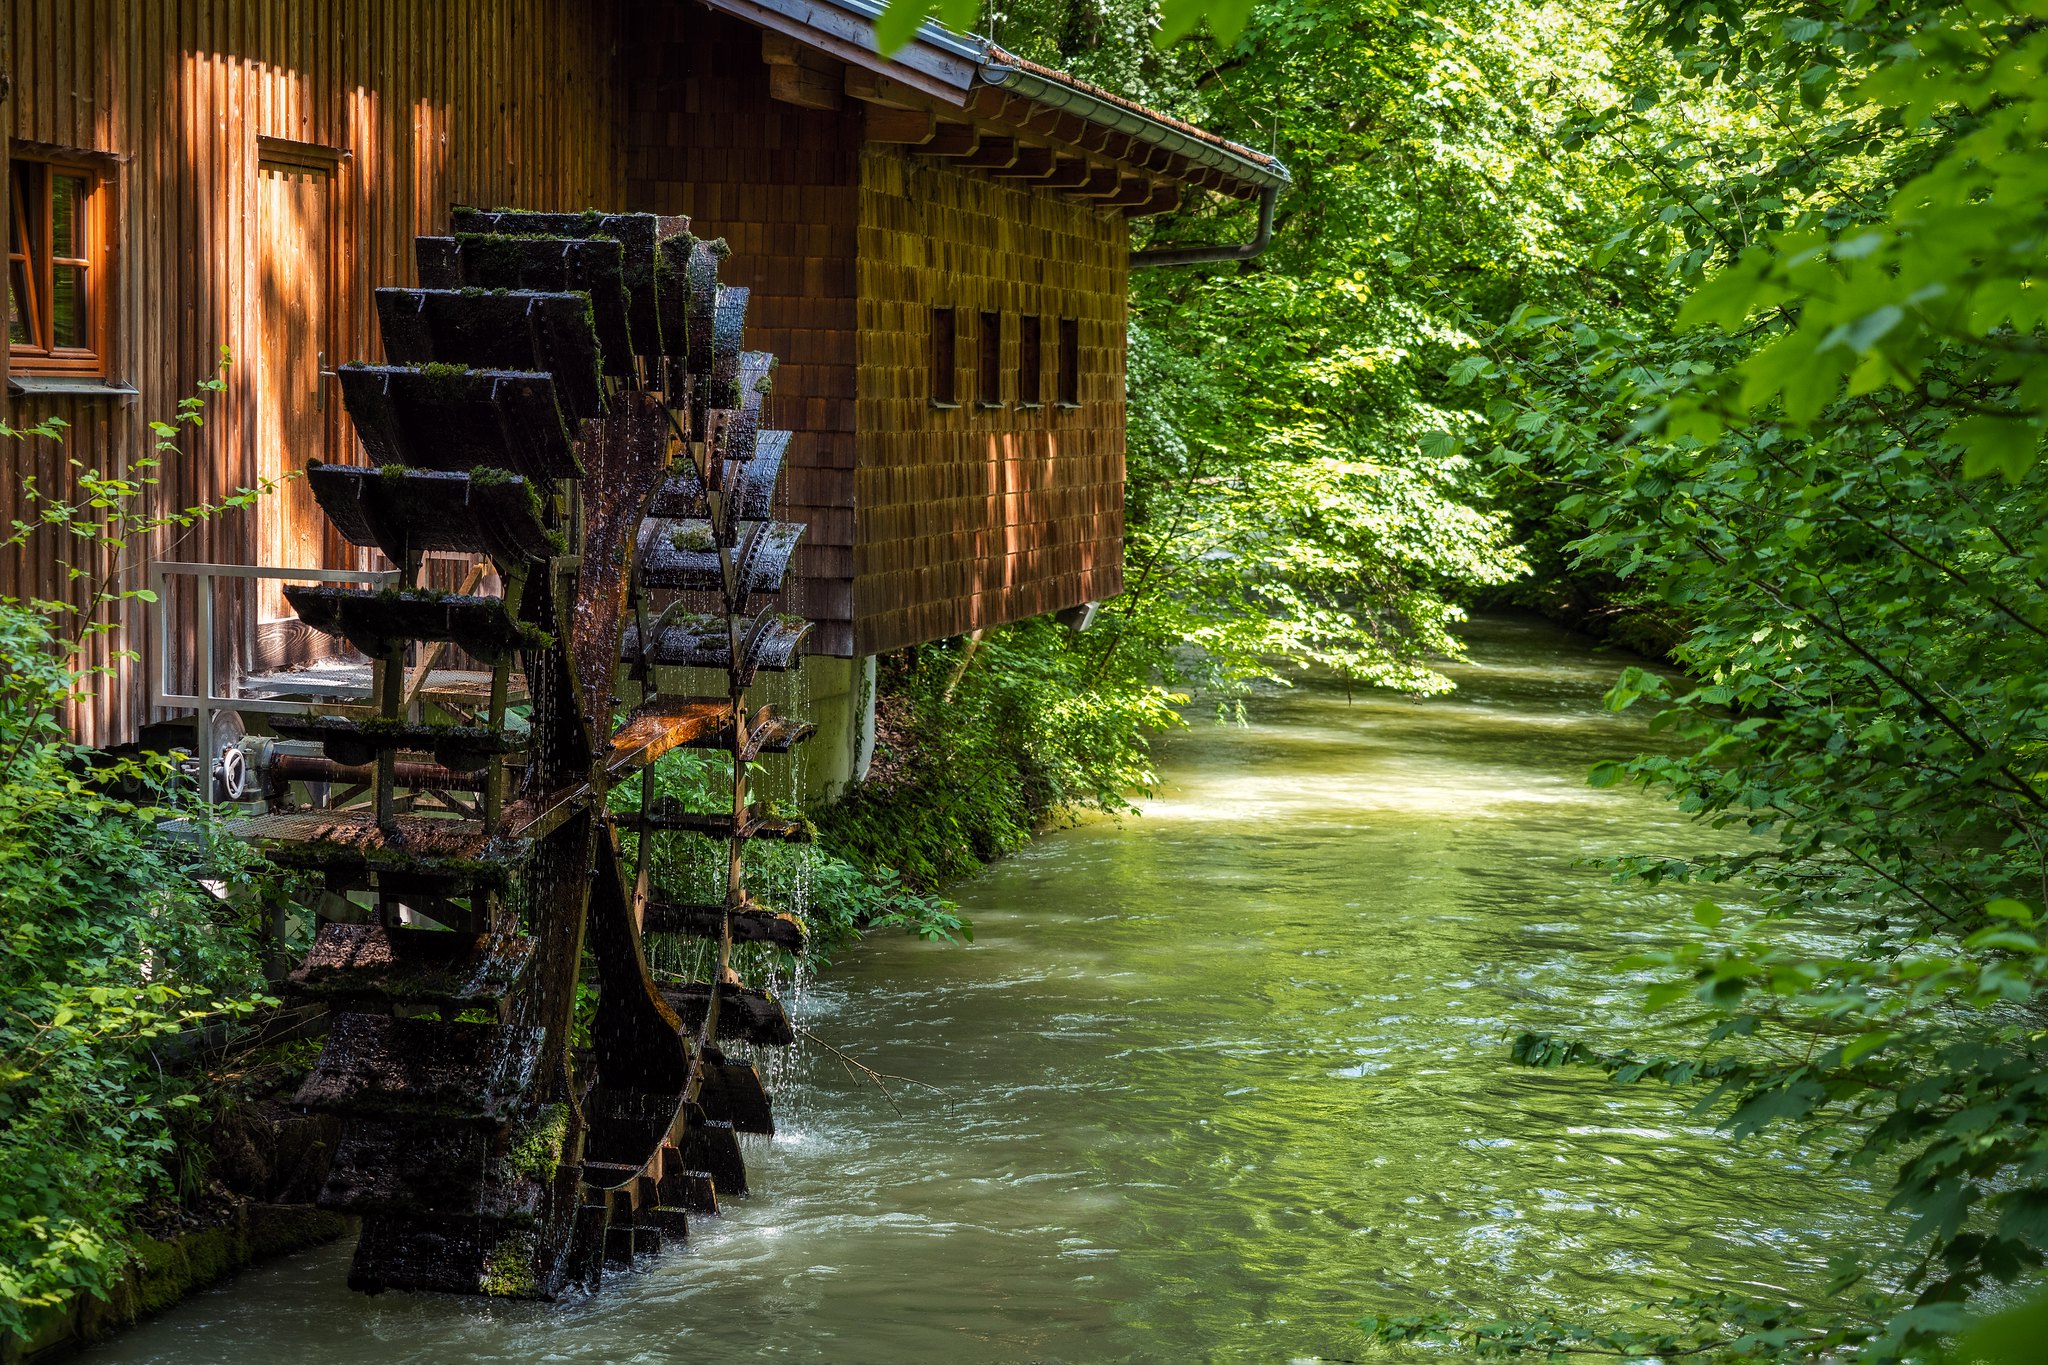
(1165, 199)
(801, 75)
(952, 139)
(913, 127)
(992, 153)
(1030, 163)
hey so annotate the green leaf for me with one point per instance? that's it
(1178, 18)
(1707, 913)
(897, 24)
(2019, 912)
(1863, 1046)
(2003, 445)
(2013, 1337)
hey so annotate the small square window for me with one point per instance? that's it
(945, 362)
(1030, 362)
(1070, 363)
(56, 268)
(991, 367)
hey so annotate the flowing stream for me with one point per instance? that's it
(1212, 1082)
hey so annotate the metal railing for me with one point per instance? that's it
(207, 698)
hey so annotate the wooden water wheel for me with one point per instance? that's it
(565, 398)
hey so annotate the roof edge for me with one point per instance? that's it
(999, 69)
(950, 65)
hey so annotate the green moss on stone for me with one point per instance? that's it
(537, 1146)
(508, 1270)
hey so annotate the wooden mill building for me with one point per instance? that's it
(937, 244)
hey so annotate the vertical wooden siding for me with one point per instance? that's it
(435, 102)
(972, 516)
(779, 184)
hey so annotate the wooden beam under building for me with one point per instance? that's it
(993, 153)
(1032, 163)
(952, 139)
(1165, 199)
(1068, 172)
(906, 127)
(801, 75)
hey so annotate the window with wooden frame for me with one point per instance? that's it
(1030, 362)
(945, 359)
(1070, 363)
(57, 267)
(991, 367)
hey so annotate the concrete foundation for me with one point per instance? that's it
(836, 695)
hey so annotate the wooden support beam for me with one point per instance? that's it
(872, 88)
(952, 139)
(1159, 159)
(1135, 190)
(1068, 172)
(906, 127)
(993, 153)
(1032, 163)
(1102, 182)
(1165, 199)
(1044, 121)
(801, 75)
(987, 102)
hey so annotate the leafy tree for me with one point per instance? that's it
(1815, 449)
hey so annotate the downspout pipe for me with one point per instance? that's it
(1157, 257)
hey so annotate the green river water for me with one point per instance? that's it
(1211, 1083)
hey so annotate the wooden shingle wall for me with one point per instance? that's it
(433, 102)
(779, 183)
(972, 516)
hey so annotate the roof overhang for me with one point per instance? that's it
(973, 74)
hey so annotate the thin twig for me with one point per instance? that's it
(875, 1078)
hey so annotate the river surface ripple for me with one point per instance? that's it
(1211, 1083)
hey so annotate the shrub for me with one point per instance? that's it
(109, 943)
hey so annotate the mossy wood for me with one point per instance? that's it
(567, 398)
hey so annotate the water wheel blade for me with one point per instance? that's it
(452, 418)
(454, 1072)
(750, 923)
(731, 1091)
(753, 485)
(454, 1255)
(373, 621)
(662, 725)
(411, 966)
(681, 554)
(350, 741)
(403, 511)
(593, 266)
(639, 236)
(673, 1220)
(746, 1014)
(711, 1146)
(408, 1168)
(625, 1127)
(514, 329)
